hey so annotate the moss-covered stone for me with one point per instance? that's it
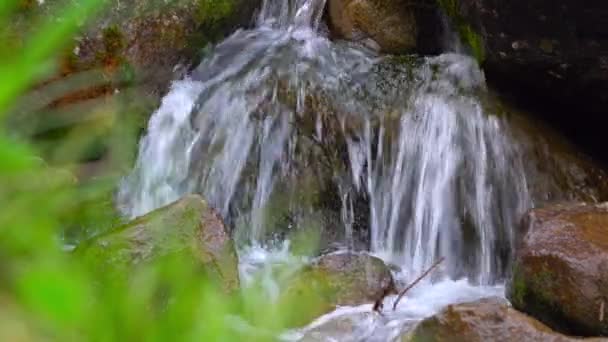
(334, 280)
(187, 227)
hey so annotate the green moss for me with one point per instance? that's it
(518, 289)
(467, 34)
(113, 39)
(450, 7)
(544, 283)
(213, 11)
(474, 41)
(113, 45)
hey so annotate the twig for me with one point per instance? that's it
(424, 275)
(379, 304)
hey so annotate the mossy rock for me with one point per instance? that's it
(187, 227)
(339, 279)
(156, 37)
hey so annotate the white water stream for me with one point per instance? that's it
(438, 175)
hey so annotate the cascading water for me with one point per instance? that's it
(280, 127)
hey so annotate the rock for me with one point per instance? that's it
(188, 225)
(552, 56)
(340, 279)
(153, 40)
(489, 319)
(557, 170)
(560, 274)
(391, 26)
(341, 328)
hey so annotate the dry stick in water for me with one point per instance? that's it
(424, 275)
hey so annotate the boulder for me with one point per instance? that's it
(489, 319)
(156, 42)
(339, 279)
(560, 274)
(341, 328)
(186, 226)
(551, 56)
(394, 26)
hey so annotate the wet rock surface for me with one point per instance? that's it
(550, 55)
(560, 274)
(393, 26)
(340, 279)
(188, 226)
(489, 319)
(341, 328)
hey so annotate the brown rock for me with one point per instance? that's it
(560, 274)
(485, 320)
(392, 26)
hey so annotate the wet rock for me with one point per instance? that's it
(390, 26)
(342, 328)
(340, 279)
(186, 226)
(555, 66)
(485, 320)
(560, 273)
(556, 169)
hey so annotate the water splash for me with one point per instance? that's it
(234, 141)
(451, 168)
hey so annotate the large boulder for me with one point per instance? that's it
(560, 273)
(150, 38)
(550, 55)
(395, 26)
(153, 38)
(489, 319)
(339, 279)
(187, 226)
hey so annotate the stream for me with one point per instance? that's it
(282, 129)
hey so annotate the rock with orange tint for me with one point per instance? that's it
(393, 26)
(489, 319)
(560, 274)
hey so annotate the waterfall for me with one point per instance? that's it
(451, 168)
(276, 118)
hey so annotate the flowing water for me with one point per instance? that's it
(280, 129)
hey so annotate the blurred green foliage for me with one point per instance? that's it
(46, 293)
